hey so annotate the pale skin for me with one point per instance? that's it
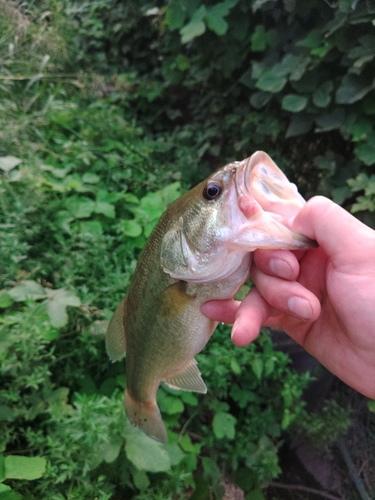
(323, 298)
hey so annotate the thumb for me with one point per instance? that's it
(339, 233)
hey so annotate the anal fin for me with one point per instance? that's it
(188, 379)
(115, 337)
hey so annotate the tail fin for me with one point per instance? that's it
(146, 416)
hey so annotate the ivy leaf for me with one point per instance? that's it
(145, 453)
(352, 89)
(259, 99)
(175, 16)
(271, 81)
(28, 290)
(224, 425)
(216, 22)
(8, 163)
(330, 121)
(294, 102)
(19, 467)
(58, 301)
(366, 153)
(299, 124)
(322, 95)
(196, 27)
(259, 39)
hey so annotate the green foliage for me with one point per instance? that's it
(109, 111)
(325, 426)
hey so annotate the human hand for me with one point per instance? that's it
(323, 298)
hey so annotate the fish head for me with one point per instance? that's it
(240, 208)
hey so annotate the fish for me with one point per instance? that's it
(200, 250)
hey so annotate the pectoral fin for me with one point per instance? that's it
(188, 379)
(115, 336)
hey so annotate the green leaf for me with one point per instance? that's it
(271, 81)
(175, 16)
(224, 425)
(299, 125)
(2, 468)
(175, 453)
(371, 405)
(140, 479)
(352, 89)
(145, 453)
(80, 207)
(91, 227)
(257, 367)
(132, 228)
(366, 153)
(19, 467)
(106, 209)
(196, 27)
(8, 163)
(170, 404)
(58, 301)
(259, 99)
(90, 178)
(330, 121)
(255, 495)
(5, 300)
(28, 290)
(294, 102)
(216, 22)
(322, 95)
(259, 39)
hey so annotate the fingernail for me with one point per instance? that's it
(235, 324)
(281, 269)
(300, 307)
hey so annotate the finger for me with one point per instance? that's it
(338, 232)
(289, 297)
(252, 314)
(281, 263)
(221, 310)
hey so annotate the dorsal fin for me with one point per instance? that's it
(115, 337)
(188, 379)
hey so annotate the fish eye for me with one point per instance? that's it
(212, 190)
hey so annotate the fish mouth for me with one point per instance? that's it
(268, 200)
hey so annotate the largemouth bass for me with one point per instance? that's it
(199, 250)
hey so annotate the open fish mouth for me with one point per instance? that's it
(266, 196)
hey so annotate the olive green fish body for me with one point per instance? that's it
(199, 250)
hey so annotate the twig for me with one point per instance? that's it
(303, 488)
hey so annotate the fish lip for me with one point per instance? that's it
(242, 178)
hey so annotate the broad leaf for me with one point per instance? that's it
(145, 453)
(19, 467)
(271, 81)
(352, 89)
(196, 27)
(294, 103)
(80, 207)
(366, 153)
(132, 228)
(58, 300)
(224, 425)
(28, 290)
(91, 227)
